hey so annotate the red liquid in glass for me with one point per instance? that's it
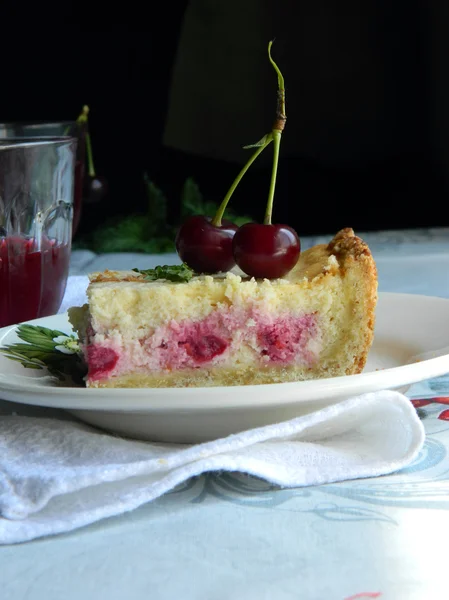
(32, 282)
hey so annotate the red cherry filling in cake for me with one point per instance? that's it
(215, 340)
(101, 361)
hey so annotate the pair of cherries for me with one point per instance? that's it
(259, 250)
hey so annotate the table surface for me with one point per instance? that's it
(227, 536)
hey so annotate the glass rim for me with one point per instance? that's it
(30, 141)
(37, 123)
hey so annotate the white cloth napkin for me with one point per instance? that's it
(57, 475)
(75, 293)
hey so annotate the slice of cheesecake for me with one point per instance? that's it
(228, 329)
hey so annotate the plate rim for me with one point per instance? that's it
(140, 398)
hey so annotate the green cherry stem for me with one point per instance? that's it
(216, 221)
(90, 159)
(276, 135)
(83, 119)
(281, 89)
(276, 145)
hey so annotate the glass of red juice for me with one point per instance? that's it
(43, 129)
(36, 215)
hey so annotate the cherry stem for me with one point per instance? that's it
(83, 116)
(276, 145)
(84, 120)
(216, 221)
(276, 134)
(281, 84)
(90, 159)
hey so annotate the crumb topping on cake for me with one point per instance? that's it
(345, 243)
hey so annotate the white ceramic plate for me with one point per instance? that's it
(411, 343)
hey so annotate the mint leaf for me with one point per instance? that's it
(177, 273)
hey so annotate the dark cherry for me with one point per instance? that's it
(204, 247)
(266, 251)
(95, 188)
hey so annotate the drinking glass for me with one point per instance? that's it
(41, 129)
(36, 215)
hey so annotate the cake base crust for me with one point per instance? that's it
(221, 377)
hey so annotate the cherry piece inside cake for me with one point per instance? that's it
(229, 329)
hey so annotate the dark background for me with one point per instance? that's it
(368, 149)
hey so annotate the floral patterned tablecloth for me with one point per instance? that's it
(229, 536)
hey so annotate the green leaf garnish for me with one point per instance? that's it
(263, 142)
(178, 273)
(49, 349)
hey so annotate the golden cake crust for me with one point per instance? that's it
(356, 262)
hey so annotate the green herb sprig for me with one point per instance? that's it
(178, 273)
(49, 349)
